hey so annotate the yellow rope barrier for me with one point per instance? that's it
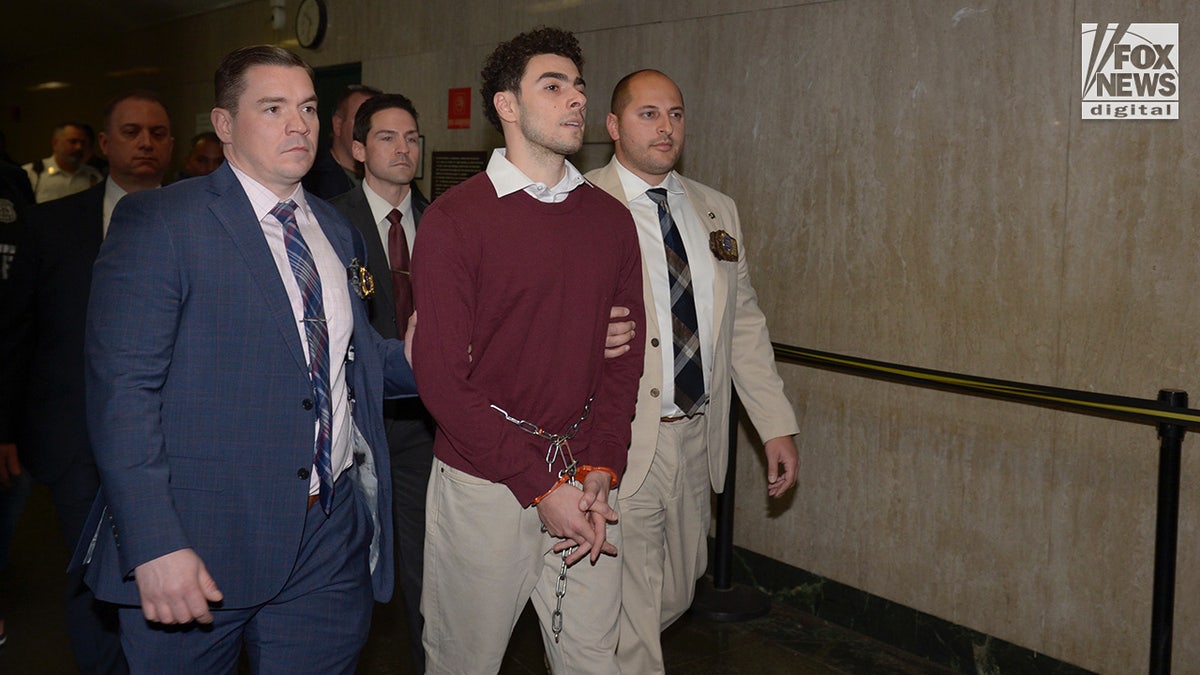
(1133, 409)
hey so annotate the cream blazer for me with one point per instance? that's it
(742, 349)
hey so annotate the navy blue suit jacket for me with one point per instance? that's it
(199, 400)
(326, 179)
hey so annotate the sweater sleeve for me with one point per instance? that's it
(616, 397)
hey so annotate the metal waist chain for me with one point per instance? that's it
(559, 446)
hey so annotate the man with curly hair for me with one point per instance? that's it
(514, 274)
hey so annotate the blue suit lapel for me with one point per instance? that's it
(341, 236)
(333, 226)
(232, 208)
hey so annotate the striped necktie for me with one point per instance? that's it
(689, 373)
(309, 281)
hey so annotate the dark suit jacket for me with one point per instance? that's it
(326, 179)
(382, 305)
(41, 334)
(199, 398)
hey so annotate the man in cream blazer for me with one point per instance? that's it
(676, 454)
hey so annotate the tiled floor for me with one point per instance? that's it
(784, 641)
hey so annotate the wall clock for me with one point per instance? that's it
(310, 23)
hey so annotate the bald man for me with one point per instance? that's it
(699, 334)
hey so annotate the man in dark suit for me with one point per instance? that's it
(16, 196)
(387, 142)
(335, 171)
(235, 391)
(205, 156)
(41, 345)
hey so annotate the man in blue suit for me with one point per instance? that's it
(235, 391)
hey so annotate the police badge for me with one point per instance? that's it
(360, 279)
(723, 246)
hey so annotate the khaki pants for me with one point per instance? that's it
(485, 557)
(664, 526)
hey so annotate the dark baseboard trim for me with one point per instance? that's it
(905, 628)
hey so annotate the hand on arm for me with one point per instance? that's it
(781, 452)
(620, 333)
(176, 588)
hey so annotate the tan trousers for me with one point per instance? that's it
(485, 557)
(664, 526)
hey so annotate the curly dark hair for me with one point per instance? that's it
(505, 67)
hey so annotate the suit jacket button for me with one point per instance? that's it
(307, 403)
(302, 474)
(654, 393)
(653, 342)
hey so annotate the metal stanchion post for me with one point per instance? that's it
(720, 599)
(1166, 536)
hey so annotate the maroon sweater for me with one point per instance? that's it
(513, 297)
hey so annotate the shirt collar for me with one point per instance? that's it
(112, 191)
(380, 206)
(112, 194)
(262, 200)
(507, 179)
(635, 187)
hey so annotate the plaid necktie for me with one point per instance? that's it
(399, 263)
(309, 281)
(689, 373)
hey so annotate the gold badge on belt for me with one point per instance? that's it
(723, 246)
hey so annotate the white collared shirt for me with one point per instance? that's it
(54, 183)
(507, 179)
(112, 195)
(380, 208)
(334, 294)
(654, 259)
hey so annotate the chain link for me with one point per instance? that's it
(559, 446)
(560, 588)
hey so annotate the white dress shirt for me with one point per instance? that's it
(112, 195)
(654, 259)
(380, 208)
(54, 183)
(339, 317)
(507, 179)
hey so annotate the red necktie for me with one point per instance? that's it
(401, 281)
